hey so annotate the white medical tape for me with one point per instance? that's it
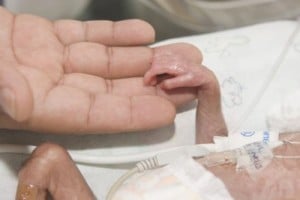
(253, 157)
(238, 140)
(218, 158)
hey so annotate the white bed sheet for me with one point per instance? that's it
(242, 60)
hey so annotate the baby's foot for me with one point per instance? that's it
(50, 169)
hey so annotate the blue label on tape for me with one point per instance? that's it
(247, 133)
(266, 137)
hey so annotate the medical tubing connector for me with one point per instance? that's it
(150, 163)
(159, 160)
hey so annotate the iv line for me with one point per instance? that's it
(165, 155)
(289, 157)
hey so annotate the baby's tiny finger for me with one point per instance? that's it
(177, 82)
(149, 78)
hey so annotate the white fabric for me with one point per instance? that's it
(237, 140)
(254, 157)
(241, 59)
(284, 116)
(183, 179)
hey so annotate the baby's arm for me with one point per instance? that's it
(172, 69)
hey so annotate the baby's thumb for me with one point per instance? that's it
(15, 94)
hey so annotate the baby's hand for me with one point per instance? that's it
(174, 67)
(180, 66)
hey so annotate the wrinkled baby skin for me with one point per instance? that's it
(178, 67)
(280, 180)
(51, 172)
(174, 67)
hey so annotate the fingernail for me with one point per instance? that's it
(7, 101)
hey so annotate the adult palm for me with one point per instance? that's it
(80, 77)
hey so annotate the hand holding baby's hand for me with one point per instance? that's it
(172, 68)
(175, 68)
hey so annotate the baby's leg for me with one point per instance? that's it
(174, 72)
(50, 170)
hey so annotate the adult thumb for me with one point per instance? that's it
(15, 94)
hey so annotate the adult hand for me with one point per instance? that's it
(81, 77)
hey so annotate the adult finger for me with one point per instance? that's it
(120, 33)
(70, 110)
(107, 62)
(15, 95)
(127, 87)
(117, 62)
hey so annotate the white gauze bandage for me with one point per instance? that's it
(183, 179)
(253, 157)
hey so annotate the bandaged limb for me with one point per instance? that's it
(51, 172)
